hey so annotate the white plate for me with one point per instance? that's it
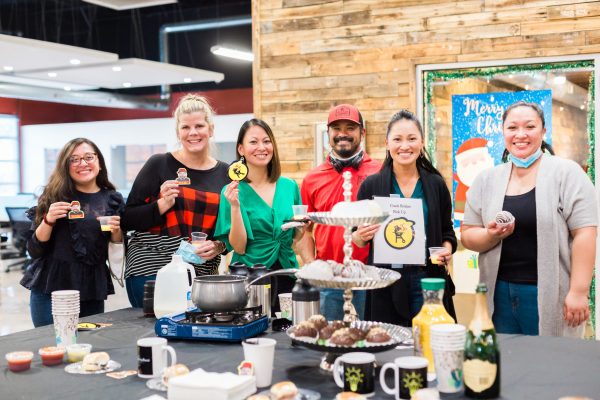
(303, 394)
(156, 384)
(76, 368)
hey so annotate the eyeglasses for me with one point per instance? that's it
(87, 157)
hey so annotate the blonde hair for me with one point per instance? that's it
(191, 103)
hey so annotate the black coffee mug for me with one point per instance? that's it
(354, 372)
(410, 375)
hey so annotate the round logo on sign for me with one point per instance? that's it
(399, 233)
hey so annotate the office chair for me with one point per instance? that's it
(20, 226)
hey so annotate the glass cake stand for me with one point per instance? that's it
(400, 335)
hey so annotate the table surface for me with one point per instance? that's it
(532, 367)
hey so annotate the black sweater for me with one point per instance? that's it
(439, 228)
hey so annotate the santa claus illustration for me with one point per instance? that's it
(472, 157)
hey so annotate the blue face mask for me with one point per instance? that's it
(526, 162)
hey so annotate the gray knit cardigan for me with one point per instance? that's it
(565, 200)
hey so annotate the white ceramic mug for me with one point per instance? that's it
(152, 356)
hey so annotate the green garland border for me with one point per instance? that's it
(489, 72)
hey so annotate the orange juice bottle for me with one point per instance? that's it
(432, 312)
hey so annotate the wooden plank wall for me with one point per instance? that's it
(313, 54)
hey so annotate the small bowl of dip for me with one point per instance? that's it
(19, 360)
(76, 351)
(52, 355)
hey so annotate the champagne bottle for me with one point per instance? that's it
(482, 358)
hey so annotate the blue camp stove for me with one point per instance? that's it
(230, 326)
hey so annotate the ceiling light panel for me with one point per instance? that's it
(24, 54)
(129, 4)
(134, 72)
(47, 83)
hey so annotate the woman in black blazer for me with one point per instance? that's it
(408, 172)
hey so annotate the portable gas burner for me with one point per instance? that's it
(231, 326)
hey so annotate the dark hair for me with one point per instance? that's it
(424, 160)
(274, 167)
(60, 185)
(538, 110)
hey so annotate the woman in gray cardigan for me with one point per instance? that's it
(539, 268)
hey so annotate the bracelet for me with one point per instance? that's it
(220, 247)
(48, 222)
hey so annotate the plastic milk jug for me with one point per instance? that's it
(172, 290)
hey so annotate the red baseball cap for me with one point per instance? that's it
(346, 112)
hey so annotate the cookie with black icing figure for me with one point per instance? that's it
(237, 171)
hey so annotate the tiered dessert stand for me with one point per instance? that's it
(386, 277)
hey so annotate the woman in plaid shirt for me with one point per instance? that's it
(162, 210)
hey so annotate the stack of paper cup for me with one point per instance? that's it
(448, 346)
(65, 312)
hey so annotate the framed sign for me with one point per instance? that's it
(401, 237)
(322, 147)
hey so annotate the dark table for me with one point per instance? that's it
(532, 367)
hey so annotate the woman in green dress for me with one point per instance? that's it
(251, 211)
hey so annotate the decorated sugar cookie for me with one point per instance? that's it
(182, 178)
(238, 170)
(246, 368)
(75, 212)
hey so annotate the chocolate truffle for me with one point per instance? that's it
(305, 328)
(338, 324)
(318, 321)
(342, 337)
(357, 334)
(326, 332)
(378, 335)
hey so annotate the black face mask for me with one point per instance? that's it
(354, 162)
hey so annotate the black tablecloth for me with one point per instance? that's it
(532, 367)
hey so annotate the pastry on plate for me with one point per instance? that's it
(95, 361)
(349, 396)
(173, 371)
(285, 390)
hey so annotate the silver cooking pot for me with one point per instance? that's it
(226, 292)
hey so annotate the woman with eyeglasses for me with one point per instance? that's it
(68, 247)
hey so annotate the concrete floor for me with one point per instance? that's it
(14, 301)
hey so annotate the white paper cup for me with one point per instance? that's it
(261, 353)
(65, 328)
(299, 209)
(448, 337)
(449, 369)
(285, 304)
(65, 293)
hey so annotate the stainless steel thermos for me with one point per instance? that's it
(260, 291)
(305, 301)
